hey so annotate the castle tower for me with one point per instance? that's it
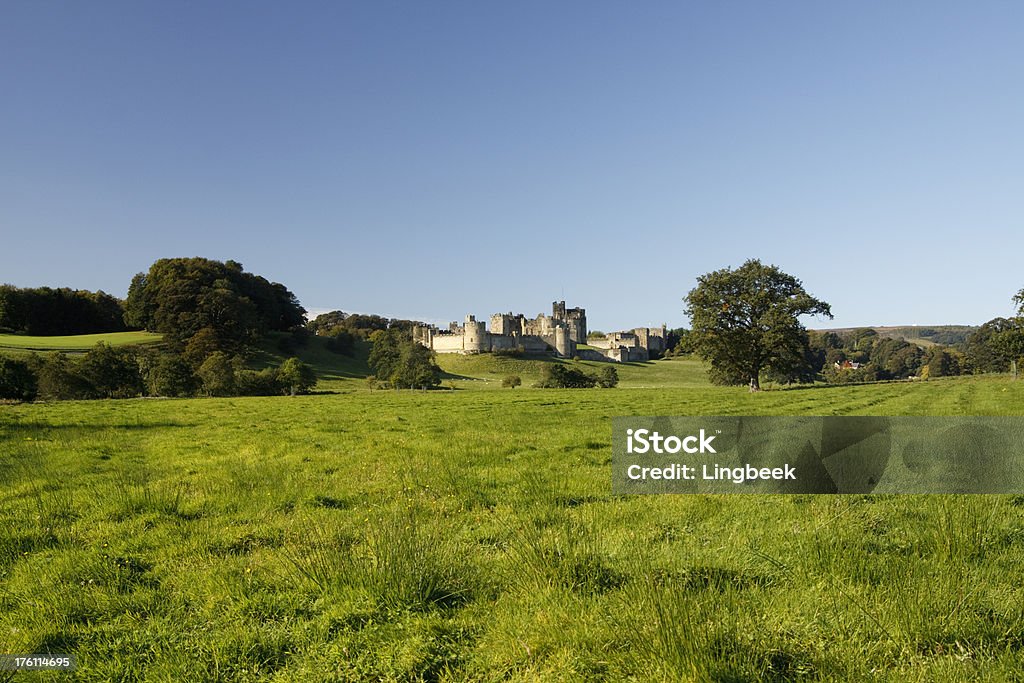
(475, 339)
(563, 343)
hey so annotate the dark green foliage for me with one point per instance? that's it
(358, 325)
(560, 376)
(942, 362)
(341, 341)
(44, 311)
(217, 374)
(181, 296)
(386, 351)
(59, 379)
(111, 372)
(747, 320)
(265, 382)
(170, 375)
(296, 377)
(415, 368)
(17, 381)
(203, 343)
(995, 345)
(404, 363)
(679, 341)
(512, 381)
(516, 352)
(608, 377)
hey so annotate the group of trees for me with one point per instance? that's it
(562, 376)
(343, 329)
(211, 314)
(399, 362)
(126, 372)
(746, 325)
(44, 311)
(202, 306)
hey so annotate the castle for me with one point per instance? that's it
(563, 333)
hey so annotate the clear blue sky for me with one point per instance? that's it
(429, 159)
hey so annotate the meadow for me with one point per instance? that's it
(78, 342)
(471, 534)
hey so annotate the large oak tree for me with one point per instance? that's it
(746, 321)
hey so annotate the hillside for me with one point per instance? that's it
(77, 342)
(483, 371)
(922, 335)
(487, 370)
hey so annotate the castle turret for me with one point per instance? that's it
(564, 344)
(475, 339)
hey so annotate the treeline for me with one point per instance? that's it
(212, 316)
(864, 355)
(341, 329)
(128, 372)
(42, 311)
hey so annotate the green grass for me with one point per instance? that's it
(78, 342)
(485, 371)
(473, 535)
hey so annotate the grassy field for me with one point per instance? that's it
(472, 535)
(79, 342)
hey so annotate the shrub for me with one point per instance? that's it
(296, 377)
(512, 381)
(608, 378)
(264, 382)
(516, 352)
(59, 379)
(558, 376)
(17, 381)
(112, 372)
(170, 375)
(218, 374)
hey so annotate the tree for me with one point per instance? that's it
(296, 376)
(218, 374)
(415, 368)
(112, 372)
(170, 375)
(404, 363)
(511, 381)
(608, 377)
(560, 376)
(747, 320)
(16, 380)
(59, 379)
(181, 296)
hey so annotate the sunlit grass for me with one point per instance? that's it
(458, 535)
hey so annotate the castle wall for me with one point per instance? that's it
(447, 343)
(503, 341)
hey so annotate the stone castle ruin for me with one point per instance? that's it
(563, 334)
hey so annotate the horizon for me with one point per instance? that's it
(428, 161)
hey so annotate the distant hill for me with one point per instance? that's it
(922, 335)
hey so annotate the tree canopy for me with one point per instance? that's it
(745, 321)
(181, 296)
(45, 311)
(403, 363)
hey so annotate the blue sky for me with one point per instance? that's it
(427, 160)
